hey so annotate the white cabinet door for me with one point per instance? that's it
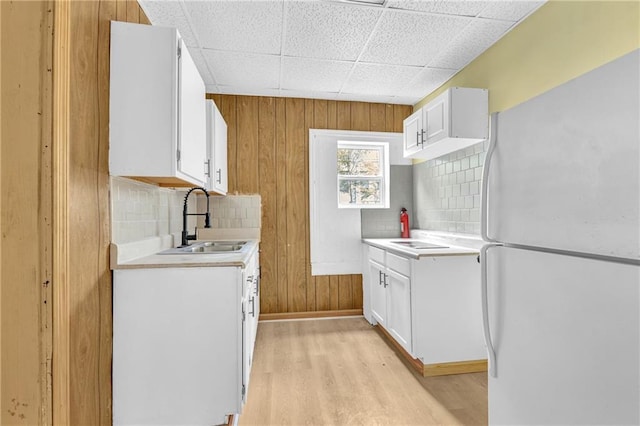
(399, 308)
(192, 142)
(436, 118)
(157, 116)
(412, 133)
(378, 292)
(219, 172)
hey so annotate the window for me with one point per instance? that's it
(363, 169)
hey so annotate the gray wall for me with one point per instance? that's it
(385, 223)
(446, 191)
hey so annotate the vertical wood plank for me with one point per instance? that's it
(377, 117)
(85, 236)
(107, 13)
(310, 280)
(360, 119)
(143, 18)
(281, 206)
(356, 288)
(334, 292)
(323, 293)
(121, 10)
(389, 116)
(228, 111)
(267, 170)
(320, 114)
(133, 11)
(332, 114)
(295, 190)
(345, 292)
(247, 145)
(344, 116)
(400, 112)
(25, 206)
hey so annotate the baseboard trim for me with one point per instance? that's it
(440, 369)
(415, 363)
(310, 315)
(459, 367)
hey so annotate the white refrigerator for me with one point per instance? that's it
(561, 267)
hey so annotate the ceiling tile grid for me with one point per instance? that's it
(397, 52)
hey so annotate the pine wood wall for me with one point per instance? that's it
(268, 154)
(90, 291)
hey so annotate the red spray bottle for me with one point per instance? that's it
(404, 223)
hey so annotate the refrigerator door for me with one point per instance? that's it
(565, 170)
(566, 335)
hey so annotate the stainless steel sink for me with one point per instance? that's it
(208, 247)
(418, 245)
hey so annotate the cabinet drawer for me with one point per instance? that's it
(376, 254)
(399, 264)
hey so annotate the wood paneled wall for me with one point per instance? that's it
(26, 42)
(269, 155)
(89, 275)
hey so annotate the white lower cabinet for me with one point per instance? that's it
(430, 306)
(180, 340)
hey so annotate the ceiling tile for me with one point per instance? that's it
(510, 10)
(364, 98)
(246, 26)
(169, 14)
(407, 38)
(308, 94)
(471, 42)
(404, 100)
(314, 74)
(377, 79)
(458, 7)
(327, 30)
(247, 91)
(201, 64)
(426, 82)
(244, 69)
(211, 88)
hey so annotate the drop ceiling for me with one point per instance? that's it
(396, 52)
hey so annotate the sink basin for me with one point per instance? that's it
(418, 245)
(208, 247)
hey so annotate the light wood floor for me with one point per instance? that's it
(342, 372)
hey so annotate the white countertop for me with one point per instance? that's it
(416, 253)
(123, 256)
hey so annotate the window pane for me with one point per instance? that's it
(359, 162)
(359, 191)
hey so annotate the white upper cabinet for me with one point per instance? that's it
(456, 119)
(157, 107)
(216, 150)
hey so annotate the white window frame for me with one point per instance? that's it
(383, 147)
(335, 234)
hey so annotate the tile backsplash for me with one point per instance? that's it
(140, 211)
(446, 192)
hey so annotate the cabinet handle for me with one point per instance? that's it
(417, 138)
(255, 288)
(422, 139)
(207, 168)
(379, 277)
(219, 172)
(385, 281)
(253, 307)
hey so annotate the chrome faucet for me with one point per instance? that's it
(185, 235)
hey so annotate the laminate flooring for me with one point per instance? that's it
(343, 372)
